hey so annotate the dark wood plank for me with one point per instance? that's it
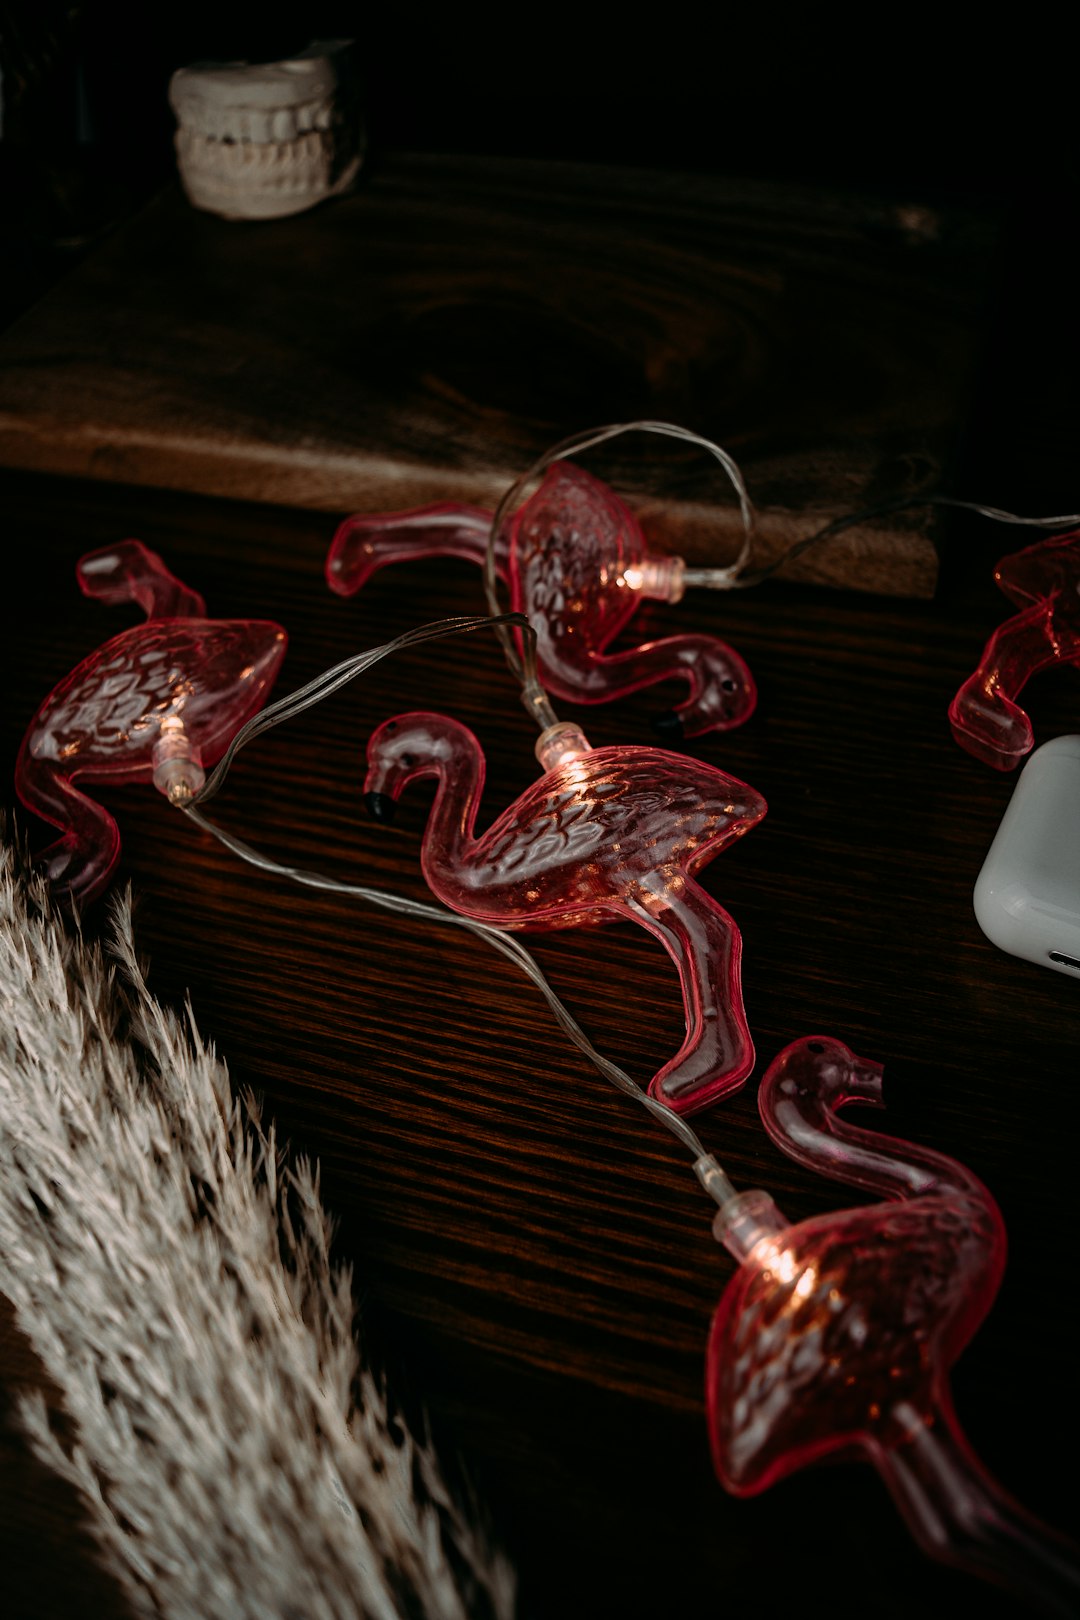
(430, 336)
(532, 1246)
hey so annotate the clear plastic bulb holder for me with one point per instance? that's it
(606, 835)
(578, 566)
(1044, 582)
(157, 703)
(836, 1335)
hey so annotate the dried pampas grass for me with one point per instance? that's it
(234, 1457)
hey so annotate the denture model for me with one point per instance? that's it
(156, 704)
(606, 835)
(836, 1335)
(267, 139)
(1044, 582)
(578, 566)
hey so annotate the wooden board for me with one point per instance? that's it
(529, 1241)
(428, 337)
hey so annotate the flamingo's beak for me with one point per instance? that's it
(381, 806)
(863, 1083)
(668, 726)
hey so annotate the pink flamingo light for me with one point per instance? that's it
(578, 565)
(1044, 581)
(155, 703)
(606, 835)
(837, 1335)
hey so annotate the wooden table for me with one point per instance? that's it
(528, 1244)
(431, 335)
(531, 1249)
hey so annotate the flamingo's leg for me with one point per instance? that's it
(447, 529)
(722, 692)
(81, 861)
(706, 947)
(131, 572)
(984, 714)
(960, 1515)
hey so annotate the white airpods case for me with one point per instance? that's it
(1027, 897)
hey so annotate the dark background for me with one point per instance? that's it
(921, 104)
(900, 97)
(913, 104)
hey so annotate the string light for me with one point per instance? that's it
(864, 1308)
(578, 566)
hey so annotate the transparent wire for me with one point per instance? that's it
(1000, 516)
(525, 666)
(722, 579)
(732, 576)
(332, 680)
(506, 944)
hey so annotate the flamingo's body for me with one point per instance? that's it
(1044, 582)
(615, 834)
(179, 675)
(578, 566)
(836, 1335)
(891, 1297)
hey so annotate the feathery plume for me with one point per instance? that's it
(235, 1456)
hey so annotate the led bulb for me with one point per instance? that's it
(178, 771)
(561, 745)
(745, 1221)
(661, 578)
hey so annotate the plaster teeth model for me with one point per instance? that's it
(261, 140)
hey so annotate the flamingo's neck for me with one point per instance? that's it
(131, 572)
(807, 1130)
(449, 839)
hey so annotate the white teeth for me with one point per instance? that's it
(310, 151)
(255, 124)
(259, 142)
(257, 180)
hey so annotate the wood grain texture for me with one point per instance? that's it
(535, 1251)
(428, 337)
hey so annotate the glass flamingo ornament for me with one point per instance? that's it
(606, 835)
(578, 565)
(1044, 582)
(836, 1335)
(154, 704)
